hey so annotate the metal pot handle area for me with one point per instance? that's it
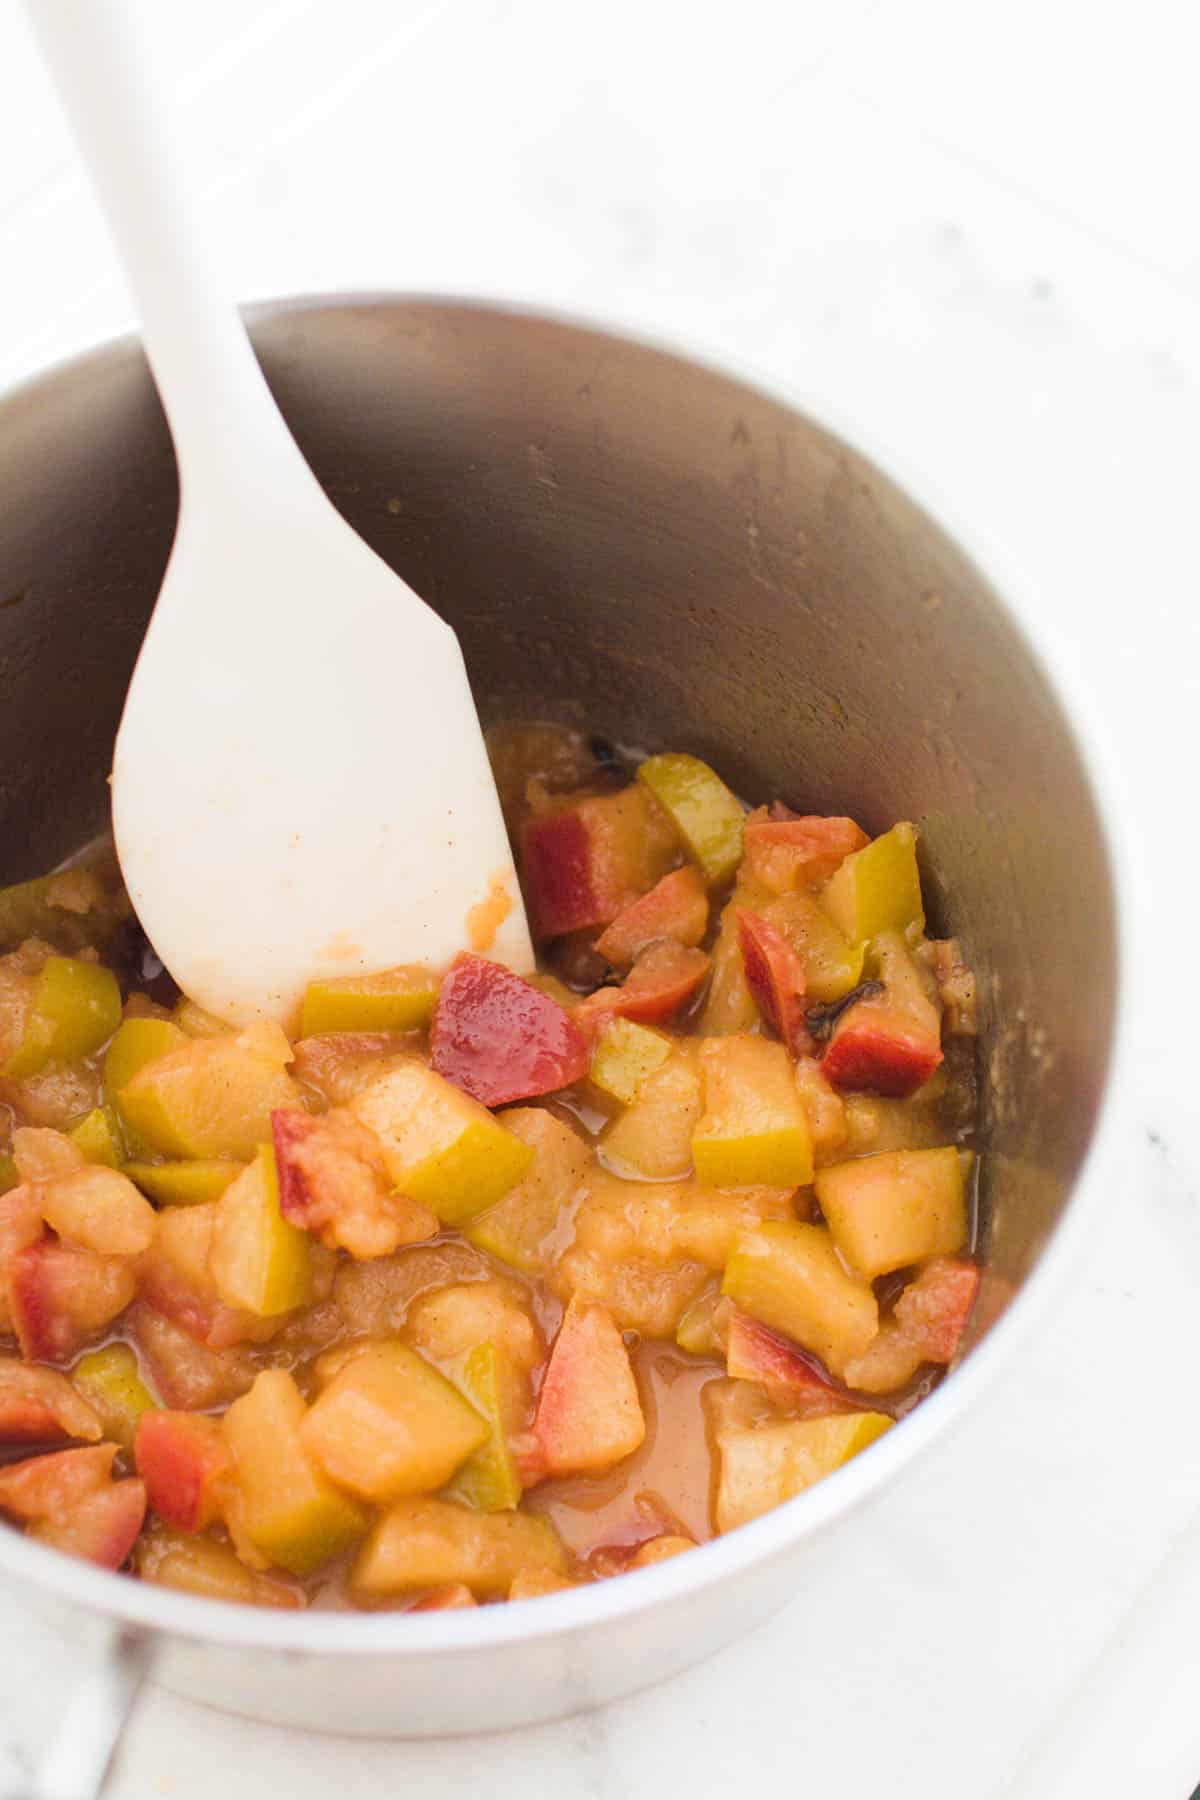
(79, 1761)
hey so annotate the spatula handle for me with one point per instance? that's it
(220, 410)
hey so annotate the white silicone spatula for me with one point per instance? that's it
(300, 786)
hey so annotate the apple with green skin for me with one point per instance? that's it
(589, 1415)
(389, 1424)
(185, 1462)
(439, 1146)
(284, 1503)
(675, 908)
(499, 1038)
(754, 1128)
(706, 815)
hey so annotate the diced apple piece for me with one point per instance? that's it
(184, 1370)
(70, 1501)
(289, 1509)
(582, 864)
(825, 1108)
(186, 1463)
(891, 1042)
(447, 1323)
(428, 1543)
(199, 1565)
(894, 1209)
(753, 1352)
(101, 1529)
(74, 1008)
(754, 1129)
(645, 1250)
(332, 1181)
(701, 1328)
(209, 1097)
(785, 854)
(926, 1326)
(653, 1136)
(400, 999)
(775, 976)
(46, 1486)
(935, 1307)
(663, 979)
(60, 1296)
(832, 964)
(789, 1276)
(98, 1209)
(451, 1597)
(588, 1414)
(389, 1425)
(488, 1479)
(676, 908)
(110, 1381)
(625, 1054)
(184, 1183)
(38, 1406)
(97, 1136)
(729, 1005)
(708, 818)
(138, 1041)
(877, 888)
(517, 1227)
(765, 1465)
(194, 1021)
(439, 1146)
(259, 1262)
(498, 1038)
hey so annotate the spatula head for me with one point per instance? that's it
(300, 784)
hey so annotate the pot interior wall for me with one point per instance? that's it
(623, 539)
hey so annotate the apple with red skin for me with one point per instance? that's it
(69, 1500)
(500, 1039)
(795, 851)
(676, 908)
(38, 1406)
(934, 1308)
(875, 1047)
(588, 1413)
(664, 977)
(103, 1528)
(565, 893)
(59, 1296)
(753, 1352)
(776, 977)
(184, 1461)
(289, 1129)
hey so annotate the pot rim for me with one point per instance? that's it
(141, 1605)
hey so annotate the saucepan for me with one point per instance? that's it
(630, 540)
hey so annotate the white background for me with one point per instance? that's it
(970, 234)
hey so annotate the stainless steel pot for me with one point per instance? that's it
(624, 538)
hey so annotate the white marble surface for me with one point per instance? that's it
(969, 235)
